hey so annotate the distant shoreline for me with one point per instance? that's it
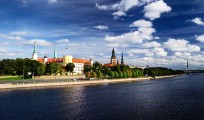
(65, 83)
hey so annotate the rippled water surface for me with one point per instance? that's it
(179, 98)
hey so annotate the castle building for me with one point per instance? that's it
(79, 63)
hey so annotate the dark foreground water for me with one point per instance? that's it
(179, 98)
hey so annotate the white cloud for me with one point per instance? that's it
(123, 6)
(197, 21)
(2, 51)
(184, 55)
(181, 45)
(52, 1)
(200, 38)
(18, 33)
(144, 32)
(63, 41)
(101, 27)
(160, 52)
(155, 9)
(40, 42)
(151, 44)
(141, 23)
(102, 7)
(118, 14)
(7, 37)
(138, 51)
(132, 37)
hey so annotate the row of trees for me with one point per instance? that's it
(117, 71)
(159, 71)
(27, 68)
(124, 71)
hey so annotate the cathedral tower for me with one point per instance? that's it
(113, 58)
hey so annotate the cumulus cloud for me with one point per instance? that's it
(123, 6)
(184, 55)
(141, 23)
(160, 52)
(52, 1)
(155, 9)
(151, 44)
(138, 51)
(132, 37)
(40, 42)
(18, 33)
(144, 32)
(181, 45)
(118, 14)
(197, 21)
(62, 41)
(200, 38)
(101, 27)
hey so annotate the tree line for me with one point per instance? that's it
(97, 70)
(27, 68)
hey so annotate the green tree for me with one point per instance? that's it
(87, 68)
(70, 67)
(116, 74)
(99, 74)
(120, 74)
(112, 75)
(124, 74)
(52, 68)
(116, 68)
(96, 66)
(88, 75)
(93, 75)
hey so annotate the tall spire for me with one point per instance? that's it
(122, 60)
(55, 53)
(113, 54)
(35, 47)
(113, 58)
(35, 55)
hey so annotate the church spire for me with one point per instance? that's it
(122, 59)
(35, 47)
(55, 53)
(113, 58)
(35, 55)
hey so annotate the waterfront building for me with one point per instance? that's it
(79, 63)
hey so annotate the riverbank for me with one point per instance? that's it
(66, 83)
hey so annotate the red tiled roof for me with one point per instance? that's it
(108, 65)
(76, 60)
(54, 60)
(40, 60)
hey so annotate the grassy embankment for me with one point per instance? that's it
(3, 78)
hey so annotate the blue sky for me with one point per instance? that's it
(150, 32)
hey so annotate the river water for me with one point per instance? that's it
(179, 98)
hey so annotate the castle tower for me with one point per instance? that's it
(45, 59)
(122, 59)
(113, 58)
(55, 53)
(35, 55)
